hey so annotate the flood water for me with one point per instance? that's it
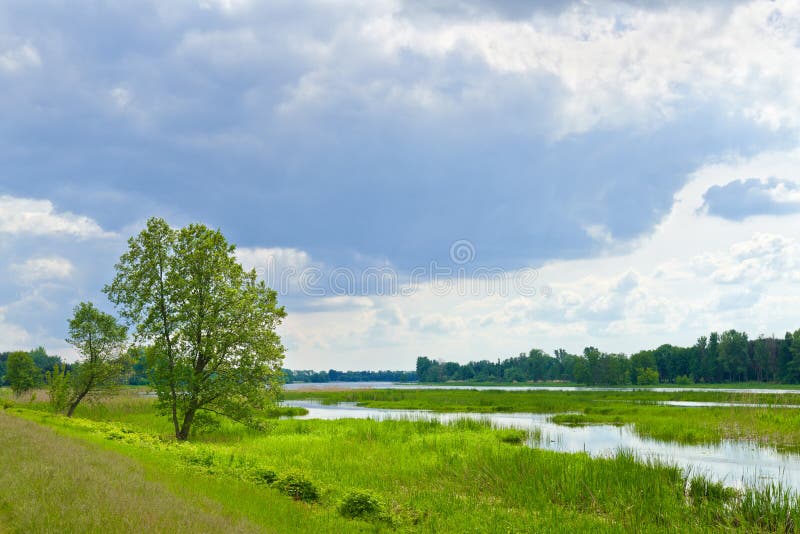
(734, 463)
(321, 386)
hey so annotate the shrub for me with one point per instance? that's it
(58, 387)
(684, 380)
(263, 476)
(362, 505)
(298, 487)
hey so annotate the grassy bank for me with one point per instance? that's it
(778, 427)
(395, 476)
(50, 483)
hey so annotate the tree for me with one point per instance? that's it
(43, 361)
(646, 376)
(210, 323)
(3, 360)
(58, 383)
(101, 343)
(21, 372)
(793, 366)
(733, 353)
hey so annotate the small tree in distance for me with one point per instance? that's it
(211, 324)
(21, 372)
(101, 342)
(57, 382)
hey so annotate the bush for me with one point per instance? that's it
(58, 387)
(684, 380)
(263, 476)
(362, 505)
(298, 487)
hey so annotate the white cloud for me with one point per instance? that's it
(121, 97)
(12, 336)
(17, 58)
(39, 269)
(281, 268)
(25, 216)
(615, 65)
(273, 259)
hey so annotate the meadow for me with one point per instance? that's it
(352, 475)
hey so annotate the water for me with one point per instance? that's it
(393, 385)
(734, 463)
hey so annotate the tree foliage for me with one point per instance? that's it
(209, 323)
(58, 389)
(100, 340)
(21, 372)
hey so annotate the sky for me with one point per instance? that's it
(466, 181)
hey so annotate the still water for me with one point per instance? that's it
(735, 463)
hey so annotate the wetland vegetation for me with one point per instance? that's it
(363, 475)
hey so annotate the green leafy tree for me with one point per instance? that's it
(21, 372)
(44, 362)
(3, 360)
(101, 342)
(210, 324)
(733, 354)
(646, 376)
(793, 365)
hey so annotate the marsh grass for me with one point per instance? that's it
(465, 476)
(766, 424)
(426, 475)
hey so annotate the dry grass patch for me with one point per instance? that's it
(52, 483)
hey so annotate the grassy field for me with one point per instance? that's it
(314, 476)
(779, 427)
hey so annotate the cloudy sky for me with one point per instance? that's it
(466, 181)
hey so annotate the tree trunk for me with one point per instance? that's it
(183, 433)
(74, 404)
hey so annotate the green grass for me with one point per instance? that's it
(53, 484)
(356, 475)
(410, 476)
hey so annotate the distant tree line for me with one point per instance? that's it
(717, 358)
(42, 361)
(135, 375)
(349, 376)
